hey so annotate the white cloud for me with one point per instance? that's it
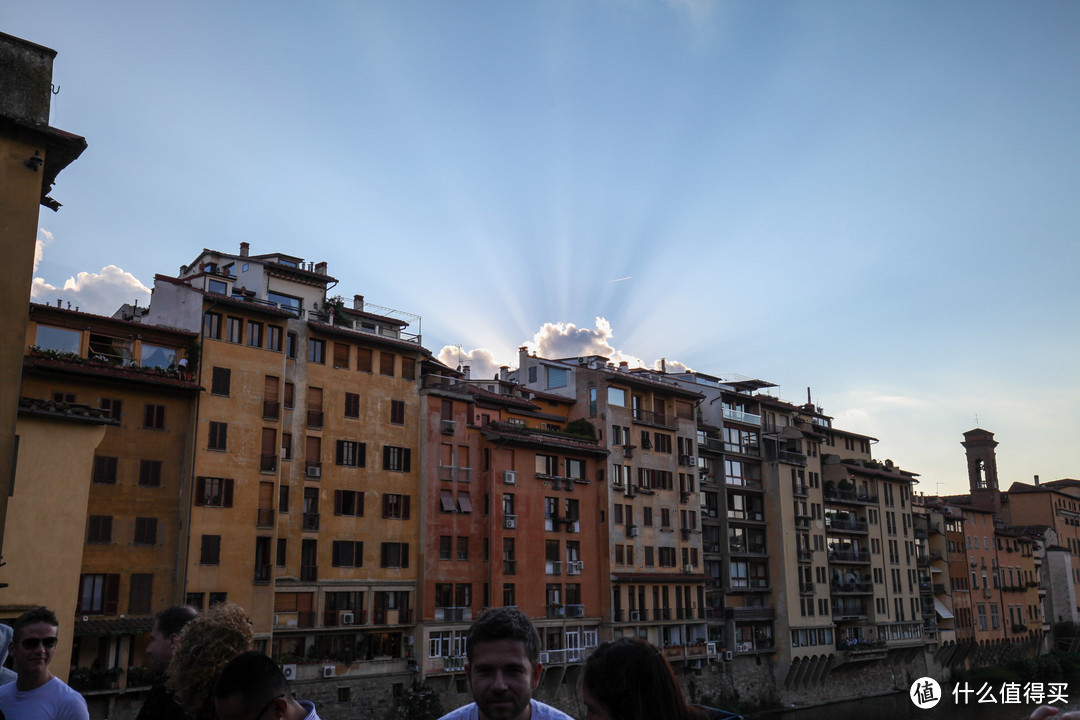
(555, 340)
(481, 362)
(699, 11)
(100, 293)
(45, 238)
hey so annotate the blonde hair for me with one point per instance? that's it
(207, 643)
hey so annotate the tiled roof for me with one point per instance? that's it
(536, 437)
(99, 369)
(67, 411)
(114, 626)
(894, 474)
(486, 394)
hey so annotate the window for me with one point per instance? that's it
(210, 551)
(154, 417)
(547, 465)
(663, 443)
(386, 363)
(292, 345)
(219, 435)
(254, 333)
(63, 397)
(273, 337)
(616, 396)
(286, 446)
(397, 459)
(211, 326)
(140, 596)
(408, 368)
(232, 329)
(99, 529)
(395, 555)
(214, 492)
(349, 502)
(146, 531)
(363, 359)
(463, 548)
(316, 351)
(282, 552)
(341, 355)
(397, 412)
(112, 408)
(446, 547)
(348, 553)
(396, 506)
(350, 453)
(220, 381)
(58, 339)
(556, 377)
(285, 302)
(575, 469)
(352, 405)
(104, 470)
(98, 594)
(150, 473)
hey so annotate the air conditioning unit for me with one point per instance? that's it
(574, 568)
(510, 522)
(688, 568)
(631, 490)
(633, 531)
(346, 618)
(328, 671)
(635, 616)
(728, 655)
(543, 657)
(284, 454)
(314, 472)
(289, 671)
(510, 477)
(446, 427)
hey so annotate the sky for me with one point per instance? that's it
(873, 203)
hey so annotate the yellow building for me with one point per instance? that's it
(32, 154)
(305, 468)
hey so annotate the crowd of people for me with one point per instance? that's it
(206, 670)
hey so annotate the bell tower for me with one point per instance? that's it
(982, 469)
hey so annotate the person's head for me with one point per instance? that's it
(33, 643)
(207, 643)
(251, 687)
(629, 679)
(166, 635)
(502, 652)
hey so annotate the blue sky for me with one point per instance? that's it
(875, 200)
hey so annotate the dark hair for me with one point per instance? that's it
(171, 621)
(33, 616)
(632, 680)
(255, 675)
(504, 624)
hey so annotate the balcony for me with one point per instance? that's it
(926, 588)
(556, 610)
(553, 567)
(802, 522)
(849, 556)
(759, 612)
(851, 588)
(262, 574)
(846, 525)
(753, 449)
(453, 614)
(509, 567)
(935, 555)
(791, 458)
(271, 410)
(315, 419)
(343, 618)
(264, 517)
(267, 463)
(741, 482)
(309, 573)
(648, 417)
(310, 522)
(832, 494)
(920, 533)
(806, 587)
(575, 611)
(806, 556)
(800, 489)
(922, 559)
(939, 588)
(454, 663)
(742, 417)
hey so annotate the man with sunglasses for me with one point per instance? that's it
(251, 687)
(37, 693)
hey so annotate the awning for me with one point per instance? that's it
(942, 611)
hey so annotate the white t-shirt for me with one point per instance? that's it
(540, 711)
(52, 701)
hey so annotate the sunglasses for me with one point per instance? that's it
(32, 643)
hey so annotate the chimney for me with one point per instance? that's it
(320, 268)
(358, 302)
(244, 248)
(465, 371)
(624, 366)
(504, 372)
(1036, 481)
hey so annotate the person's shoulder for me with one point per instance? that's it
(543, 711)
(465, 712)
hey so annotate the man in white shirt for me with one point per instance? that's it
(502, 665)
(37, 693)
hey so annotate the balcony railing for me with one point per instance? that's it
(743, 417)
(309, 573)
(648, 417)
(262, 573)
(800, 489)
(857, 588)
(846, 525)
(553, 567)
(806, 555)
(791, 458)
(575, 611)
(264, 517)
(509, 567)
(849, 556)
(268, 463)
(556, 611)
(743, 448)
(311, 522)
(271, 410)
(750, 483)
(453, 614)
(340, 618)
(314, 418)
(806, 587)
